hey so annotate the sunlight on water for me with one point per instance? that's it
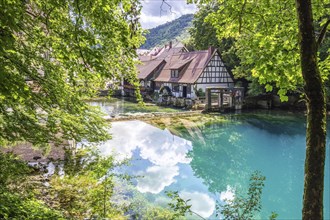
(211, 162)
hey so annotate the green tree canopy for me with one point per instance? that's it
(55, 53)
(266, 34)
(203, 35)
(278, 40)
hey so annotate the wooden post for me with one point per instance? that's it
(221, 98)
(208, 105)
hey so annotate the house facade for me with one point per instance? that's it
(179, 73)
(188, 74)
(148, 71)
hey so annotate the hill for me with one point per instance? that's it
(176, 29)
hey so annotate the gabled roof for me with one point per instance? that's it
(195, 62)
(168, 52)
(191, 64)
(180, 64)
(155, 57)
(147, 67)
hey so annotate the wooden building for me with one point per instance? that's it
(187, 74)
(176, 72)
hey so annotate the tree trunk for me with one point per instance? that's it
(316, 115)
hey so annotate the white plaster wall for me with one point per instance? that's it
(218, 85)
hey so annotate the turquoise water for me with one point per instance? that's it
(213, 162)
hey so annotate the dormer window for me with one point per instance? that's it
(175, 73)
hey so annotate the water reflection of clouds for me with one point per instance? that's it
(228, 195)
(162, 149)
(156, 178)
(201, 203)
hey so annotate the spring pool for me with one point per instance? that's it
(210, 158)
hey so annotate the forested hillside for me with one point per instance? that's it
(167, 32)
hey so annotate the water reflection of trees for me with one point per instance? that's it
(222, 150)
(219, 154)
(278, 123)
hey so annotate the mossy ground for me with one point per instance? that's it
(187, 123)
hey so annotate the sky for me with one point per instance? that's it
(153, 14)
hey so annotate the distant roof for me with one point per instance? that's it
(166, 53)
(161, 52)
(196, 62)
(142, 51)
(152, 59)
(147, 67)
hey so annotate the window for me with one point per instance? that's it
(158, 85)
(188, 89)
(175, 88)
(174, 73)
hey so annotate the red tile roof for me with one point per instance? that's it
(147, 67)
(196, 62)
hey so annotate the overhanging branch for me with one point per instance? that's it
(161, 7)
(322, 33)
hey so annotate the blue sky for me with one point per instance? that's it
(152, 15)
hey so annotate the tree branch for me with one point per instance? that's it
(240, 19)
(77, 39)
(322, 34)
(161, 7)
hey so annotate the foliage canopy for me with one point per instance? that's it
(266, 39)
(55, 53)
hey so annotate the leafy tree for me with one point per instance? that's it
(178, 205)
(278, 40)
(316, 106)
(55, 53)
(17, 198)
(203, 35)
(245, 208)
(86, 187)
(240, 208)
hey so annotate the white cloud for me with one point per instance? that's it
(228, 195)
(156, 178)
(158, 146)
(165, 149)
(161, 148)
(201, 203)
(154, 13)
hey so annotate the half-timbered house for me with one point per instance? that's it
(153, 63)
(186, 74)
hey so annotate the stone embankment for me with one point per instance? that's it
(141, 116)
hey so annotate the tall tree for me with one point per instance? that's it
(268, 35)
(52, 55)
(316, 113)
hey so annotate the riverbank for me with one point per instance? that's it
(144, 116)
